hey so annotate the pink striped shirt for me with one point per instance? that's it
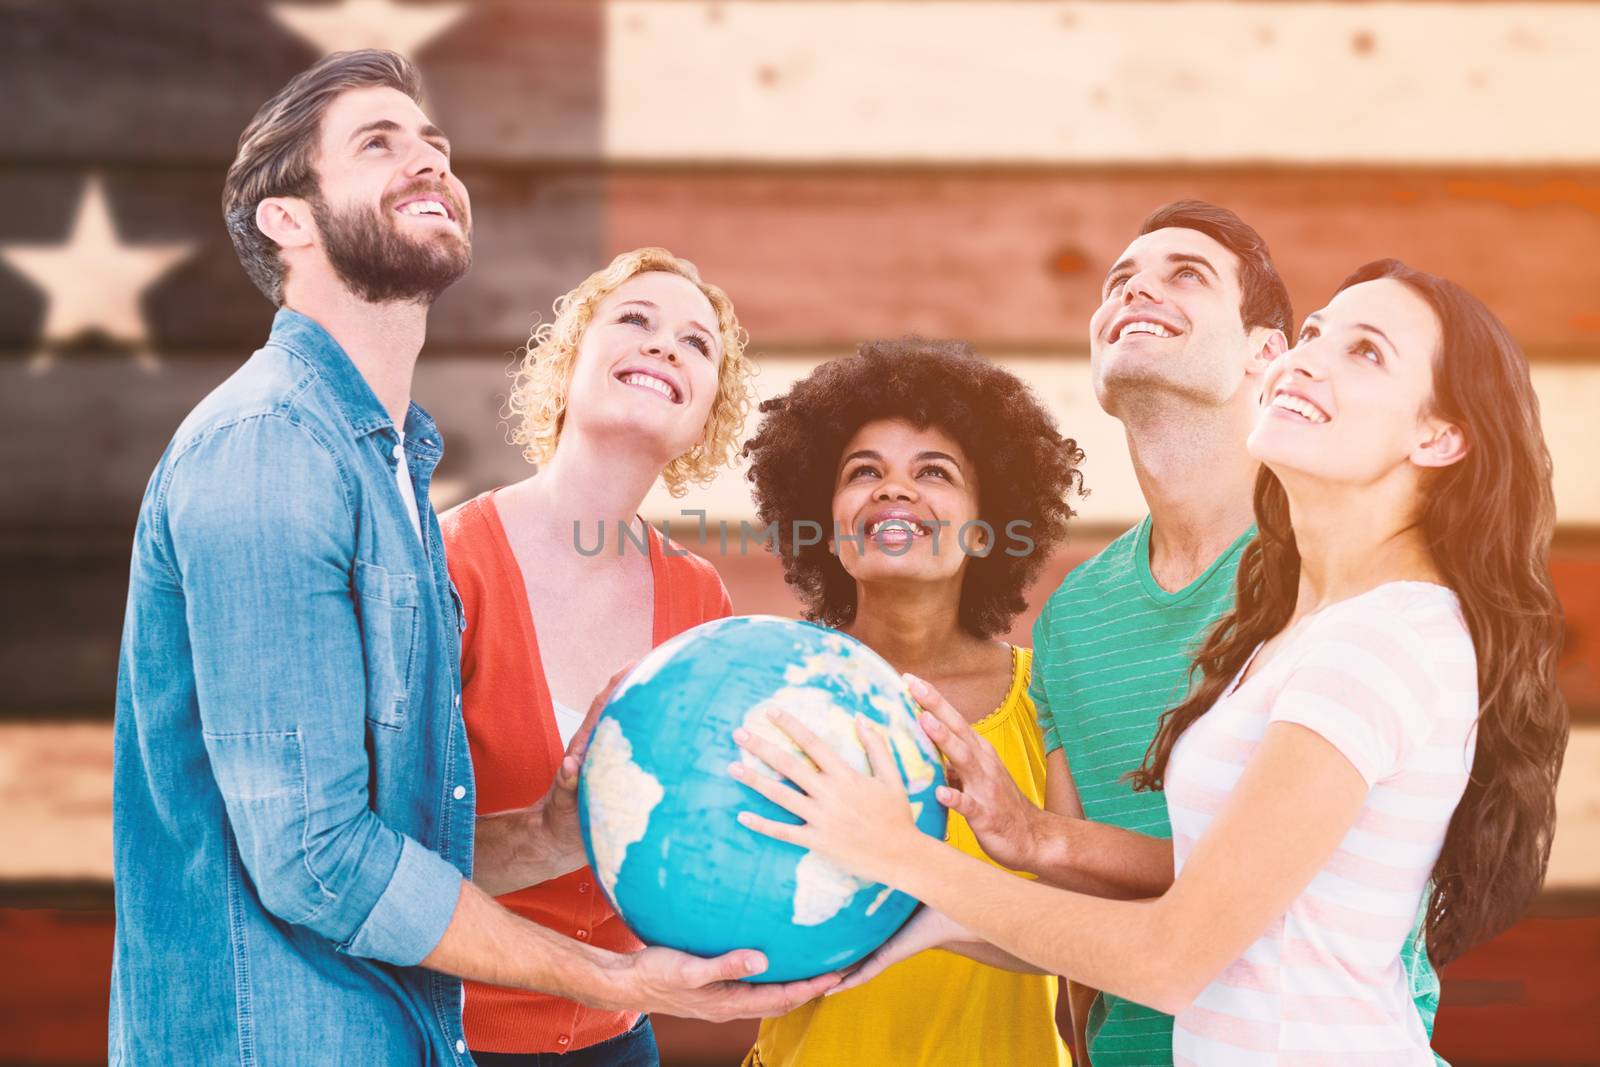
(1389, 678)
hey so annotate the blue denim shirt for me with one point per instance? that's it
(293, 792)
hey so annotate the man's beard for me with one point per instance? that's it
(380, 264)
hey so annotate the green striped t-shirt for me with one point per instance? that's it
(1111, 652)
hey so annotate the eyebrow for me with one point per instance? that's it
(653, 306)
(1316, 316)
(1173, 258)
(430, 132)
(867, 453)
(1373, 329)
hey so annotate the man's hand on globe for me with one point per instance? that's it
(662, 979)
(1006, 823)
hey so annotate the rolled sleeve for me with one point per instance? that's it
(410, 917)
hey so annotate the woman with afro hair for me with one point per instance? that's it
(916, 490)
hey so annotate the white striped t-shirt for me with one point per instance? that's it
(1389, 678)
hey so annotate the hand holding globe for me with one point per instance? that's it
(659, 810)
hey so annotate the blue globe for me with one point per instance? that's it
(657, 806)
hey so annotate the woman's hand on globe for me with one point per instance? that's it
(1004, 821)
(854, 819)
(663, 979)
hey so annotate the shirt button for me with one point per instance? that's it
(583, 935)
(461, 1048)
(563, 1039)
(583, 887)
(399, 452)
(458, 700)
(460, 792)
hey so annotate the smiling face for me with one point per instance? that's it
(1169, 321)
(1350, 401)
(394, 221)
(894, 483)
(648, 365)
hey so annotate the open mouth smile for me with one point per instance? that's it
(654, 383)
(1299, 406)
(1141, 324)
(897, 527)
(423, 205)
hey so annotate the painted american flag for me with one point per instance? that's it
(845, 169)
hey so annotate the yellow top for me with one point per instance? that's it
(938, 1009)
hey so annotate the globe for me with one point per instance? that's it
(657, 807)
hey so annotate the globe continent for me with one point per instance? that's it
(658, 809)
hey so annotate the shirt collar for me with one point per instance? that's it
(306, 338)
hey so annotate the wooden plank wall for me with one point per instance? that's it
(845, 170)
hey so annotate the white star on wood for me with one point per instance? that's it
(402, 28)
(92, 280)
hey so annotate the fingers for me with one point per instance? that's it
(865, 971)
(821, 753)
(955, 747)
(879, 757)
(793, 994)
(778, 831)
(957, 801)
(787, 798)
(564, 791)
(800, 771)
(933, 702)
(696, 972)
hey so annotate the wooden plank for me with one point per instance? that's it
(983, 82)
(1017, 259)
(98, 81)
(536, 235)
(1529, 996)
(55, 784)
(96, 478)
(1005, 260)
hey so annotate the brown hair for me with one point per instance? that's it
(1488, 520)
(278, 150)
(1264, 298)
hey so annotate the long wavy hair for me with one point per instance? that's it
(542, 380)
(1488, 520)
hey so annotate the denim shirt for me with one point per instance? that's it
(293, 792)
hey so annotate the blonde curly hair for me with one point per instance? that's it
(543, 378)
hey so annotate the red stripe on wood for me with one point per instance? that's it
(1017, 259)
(1530, 996)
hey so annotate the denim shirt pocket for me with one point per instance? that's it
(386, 603)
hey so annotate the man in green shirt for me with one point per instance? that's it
(1191, 315)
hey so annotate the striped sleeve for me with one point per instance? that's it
(1361, 685)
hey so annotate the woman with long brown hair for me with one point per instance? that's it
(1378, 715)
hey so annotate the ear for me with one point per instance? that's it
(1266, 345)
(287, 221)
(1446, 444)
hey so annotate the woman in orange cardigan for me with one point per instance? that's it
(641, 375)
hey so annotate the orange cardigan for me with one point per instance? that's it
(511, 730)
